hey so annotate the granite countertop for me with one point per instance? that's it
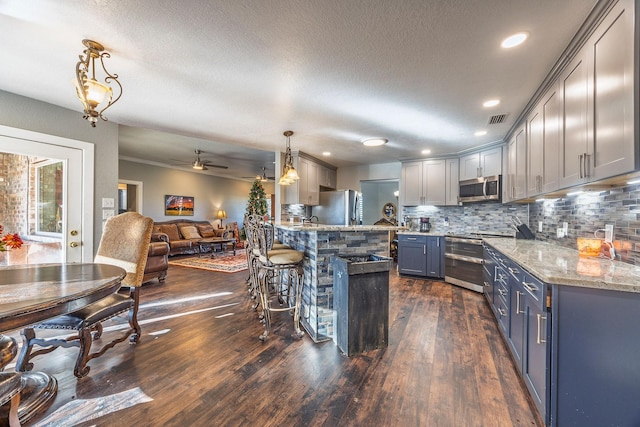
(563, 266)
(420, 233)
(297, 226)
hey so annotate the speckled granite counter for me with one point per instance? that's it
(562, 266)
(320, 243)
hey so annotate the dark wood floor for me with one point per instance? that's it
(200, 363)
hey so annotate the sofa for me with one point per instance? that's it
(183, 234)
(157, 259)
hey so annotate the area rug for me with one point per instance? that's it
(222, 263)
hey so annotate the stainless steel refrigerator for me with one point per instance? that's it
(337, 208)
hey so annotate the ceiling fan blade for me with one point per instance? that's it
(211, 165)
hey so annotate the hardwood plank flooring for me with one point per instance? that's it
(200, 363)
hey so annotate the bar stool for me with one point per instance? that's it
(279, 280)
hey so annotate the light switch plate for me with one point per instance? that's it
(608, 233)
(540, 226)
(107, 213)
(108, 202)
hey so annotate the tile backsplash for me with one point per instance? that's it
(588, 212)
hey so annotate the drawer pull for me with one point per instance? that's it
(502, 292)
(538, 339)
(530, 287)
(486, 284)
(518, 293)
(502, 312)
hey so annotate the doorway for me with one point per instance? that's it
(376, 195)
(129, 196)
(48, 182)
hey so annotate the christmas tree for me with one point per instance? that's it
(257, 200)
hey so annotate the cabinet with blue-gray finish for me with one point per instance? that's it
(412, 254)
(435, 256)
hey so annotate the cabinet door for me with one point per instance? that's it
(470, 166)
(434, 185)
(411, 184)
(612, 150)
(536, 353)
(491, 162)
(435, 256)
(535, 151)
(550, 141)
(574, 90)
(313, 188)
(452, 182)
(516, 320)
(412, 258)
(303, 183)
(517, 165)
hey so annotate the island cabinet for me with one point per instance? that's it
(421, 255)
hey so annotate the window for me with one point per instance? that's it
(49, 198)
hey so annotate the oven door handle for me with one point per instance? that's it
(476, 242)
(465, 258)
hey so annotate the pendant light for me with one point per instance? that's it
(289, 173)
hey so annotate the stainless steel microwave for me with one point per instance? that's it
(481, 189)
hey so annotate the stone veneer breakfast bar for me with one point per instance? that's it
(320, 243)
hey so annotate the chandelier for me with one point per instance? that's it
(91, 92)
(289, 173)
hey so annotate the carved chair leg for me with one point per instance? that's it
(81, 369)
(23, 364)
(14, 421)
(97, 331)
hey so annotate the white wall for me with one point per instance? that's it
(210, 193)
(26, 113)
(349, 177)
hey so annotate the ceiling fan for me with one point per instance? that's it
(263, 177)
(200, 164)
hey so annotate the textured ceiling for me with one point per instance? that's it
(228, 77)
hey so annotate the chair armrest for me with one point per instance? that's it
(158, 249)
(159, 237)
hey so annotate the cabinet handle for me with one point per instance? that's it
(438, 242)
(538, 339)
(518, 311)
(412, 238)
(502, 312)
(502, 292)
(486, 284)
(587, 165)
(424, 249)
(514, 271)
(530, 287)
(580, 157)
(478, 172)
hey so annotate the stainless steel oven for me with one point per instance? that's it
(463, 262)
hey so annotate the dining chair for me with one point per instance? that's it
(124, 243)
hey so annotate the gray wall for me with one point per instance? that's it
(210, 192)
(375, 194)
(26, 113)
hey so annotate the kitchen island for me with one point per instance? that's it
(320, 243)
(571, 324)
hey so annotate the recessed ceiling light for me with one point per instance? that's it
(491, 103)
(326, 153)
(426, 151)
(374, 142)
(514, 40)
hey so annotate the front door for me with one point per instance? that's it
(61, 214)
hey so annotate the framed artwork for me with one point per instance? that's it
(389, 211)
(178, 205)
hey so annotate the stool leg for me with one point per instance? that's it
(265, 301)
(14, 421)
(298, 333)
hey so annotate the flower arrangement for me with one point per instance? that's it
(9, 241)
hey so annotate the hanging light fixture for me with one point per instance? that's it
(91, 92)
(289, 173)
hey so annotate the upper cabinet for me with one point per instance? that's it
(452, 182)
(327, 177)
(597, 114)
(543, 141)
(426, 182)
(516, 159)
(484, 163)
(305, 191)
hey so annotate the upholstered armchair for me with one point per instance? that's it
(157, 258)
(125, 243)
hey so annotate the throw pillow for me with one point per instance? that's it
(190, 232)
(171, 230)
(206, 230)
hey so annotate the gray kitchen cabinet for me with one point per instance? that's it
(435, 256)
(483, 163)
(306, 190)
(515, 336)
(516, 155)
(452, 181)
(424, 183)
(412, 254)
(543, 139)
(327, 177)
(598, 111)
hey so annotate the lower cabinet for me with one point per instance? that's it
(421, 255)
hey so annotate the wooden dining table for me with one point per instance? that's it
(30, 294)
